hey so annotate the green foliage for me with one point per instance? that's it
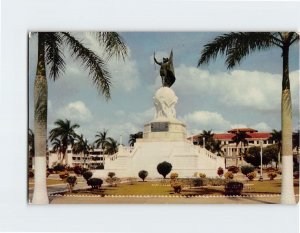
(111, 174)
(164, 168)
(234, 188)
(253, 155)
(71, 180)
(270, 153)
(202, 175)
(228, 175)
(143, 174)
(77, 170)
(247, 169)
(272, 175)
(233, 169)
(95, 183)
(100, 166)
(87, 175)
(63, 175)
(197, 182)
(220, 172)
(59, 168)
(177, 186)
(251, 175)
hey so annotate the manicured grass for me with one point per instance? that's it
(155, 188)
(49, 182)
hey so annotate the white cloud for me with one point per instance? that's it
(75, 111)
(261, 126)
(205, 120)
(239, 88)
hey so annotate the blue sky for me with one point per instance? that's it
(210, 97)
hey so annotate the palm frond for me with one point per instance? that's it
(96, 66)
(113, 43)
(53, 54)
(236, 46)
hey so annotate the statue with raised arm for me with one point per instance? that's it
(166, 70)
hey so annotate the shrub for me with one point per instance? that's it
(30, 174)
(87, 175)
(50, 170)
(164, 168)
(233, 169)
(100, 166)
(216, 181)
(228, 175)
(220, 172)
(202, 175)
(272, 175)
(78, 170)
(59, 168)
(113, 181)
(71, 180)
(95, 183)
(234, 188)
(251, 175)
(174, 176)
(63, 175)
(143, 174)
(271, 169)
(177, 186)
(111, 174)
(131, 180)
(247, 169)
(197, 182)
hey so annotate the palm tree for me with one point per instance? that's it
(66, 134)
(50, 55)
(276, 136)
(235, 46)
(133, 137)
(101, 138)
(57, 147)
(206, 137)
(216, 147)
(111, 146)
(81, 146)
(296, 140)
(240, 138)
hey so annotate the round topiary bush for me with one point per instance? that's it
(174, 176)
(95, 183)
(111, 174)
(228, 175)
(143, 174)
(202, 175)
(233, 169)
(247, 169)
(220, 172)
(63, 175)
(272, 175)
(77, 170)
(177, 186)
(59, 168)
(164, 168)
(251, 175)
(87, 175)
(197, 182)
(71, 180)
(234, 188)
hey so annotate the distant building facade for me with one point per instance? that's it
(232, 151)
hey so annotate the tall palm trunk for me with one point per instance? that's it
(287, 187)
(40, 195)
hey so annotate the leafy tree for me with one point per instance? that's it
(133, 137)
(164, 168)
(65, 132)
(95, 183)
(208, 138)
(57, 147)
(143, 174)
(71, 180)
(271, 153)
(50, 55)
(220, 171)
(253, 156)
(111, 174)
(247, 169)
(216, 147)
(236, 46)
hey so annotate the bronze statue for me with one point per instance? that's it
(166, 70)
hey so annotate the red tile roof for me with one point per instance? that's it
(223, 136)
